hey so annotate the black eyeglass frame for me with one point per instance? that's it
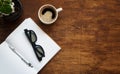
(34, 45)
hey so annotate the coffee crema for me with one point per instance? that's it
(50, 10)
(47, 16)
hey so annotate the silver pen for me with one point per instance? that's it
(21, 57)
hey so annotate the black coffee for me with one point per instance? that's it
(50, 10)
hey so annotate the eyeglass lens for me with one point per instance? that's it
(33, 36)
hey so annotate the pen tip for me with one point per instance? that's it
(30, 65)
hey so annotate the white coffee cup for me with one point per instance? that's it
(48, 14)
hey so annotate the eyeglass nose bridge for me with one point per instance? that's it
(33, 44)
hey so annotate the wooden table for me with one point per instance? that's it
(88, 32)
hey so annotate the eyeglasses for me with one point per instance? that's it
(37, 48)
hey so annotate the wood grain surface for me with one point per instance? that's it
(88, 32)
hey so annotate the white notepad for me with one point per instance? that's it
(10, 63)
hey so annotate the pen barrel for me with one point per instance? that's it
(21, 57)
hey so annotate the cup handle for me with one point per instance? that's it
(59, 9)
